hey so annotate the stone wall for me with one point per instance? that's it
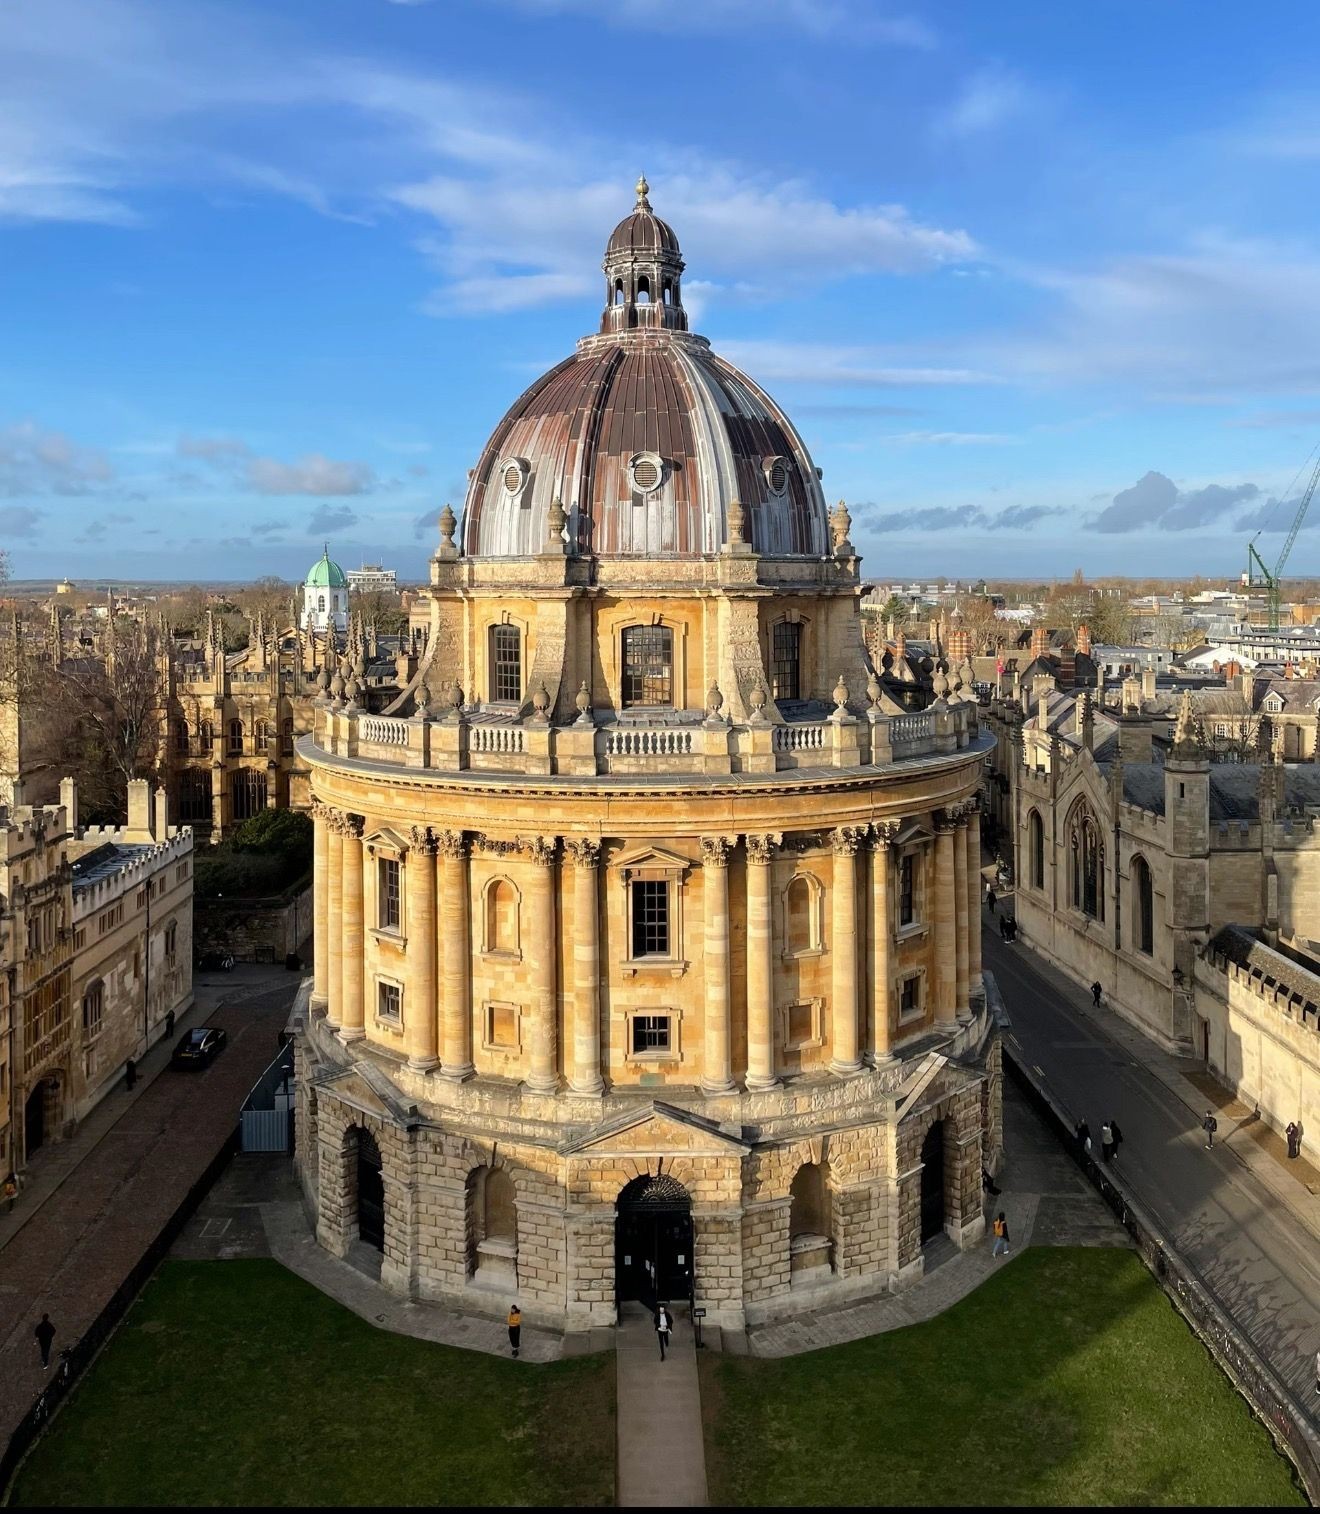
(255, 930)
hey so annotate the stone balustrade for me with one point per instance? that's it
(478, 743)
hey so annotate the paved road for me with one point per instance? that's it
(1257, 1257)
(75, 1249)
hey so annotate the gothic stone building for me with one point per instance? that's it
(647, 929)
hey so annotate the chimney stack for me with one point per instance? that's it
(1040, 642)
(1148, 683)
(1084, 640)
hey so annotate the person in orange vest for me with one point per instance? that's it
(515, 1327)
(1001, 1234)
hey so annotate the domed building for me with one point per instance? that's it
(647, 923)
(325, 596)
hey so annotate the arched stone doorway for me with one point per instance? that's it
(370, 1189)
(932, 1183)
(653, 1241)
(41, 1116)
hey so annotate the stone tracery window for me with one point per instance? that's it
(648, 665)
(1036, 847)
(1087, 863)
(1143, 931)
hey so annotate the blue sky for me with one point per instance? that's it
(1040, 283)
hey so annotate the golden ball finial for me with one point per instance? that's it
(642, 188)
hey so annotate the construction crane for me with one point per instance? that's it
(1258, 573)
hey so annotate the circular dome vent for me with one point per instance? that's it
(513, 475)
(646, 473)
(776, 474)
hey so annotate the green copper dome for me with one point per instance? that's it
(326, 574)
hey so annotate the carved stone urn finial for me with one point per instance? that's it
(841, 695)
(448, 524)
(737, 517)
(757, 701)
(583, 701)
(714, 703)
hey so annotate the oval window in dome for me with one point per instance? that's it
(646, 472)
(512, 478)
(776, 474)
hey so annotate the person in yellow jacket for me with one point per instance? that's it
(515, 1327)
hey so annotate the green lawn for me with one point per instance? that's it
(1067, 1378)
(237, 1383)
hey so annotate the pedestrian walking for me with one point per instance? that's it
(45, 1333)
(169, 1025)
(1294, 1138)
(1083, 1138)
(663, 1325)
(1106, 1144)
(1209, 1125)
(1117, 1135)
(1001, 1235)
(1096, 991)
(130, 1075)
(9, 1192)
(515, 1328)
(990, 897)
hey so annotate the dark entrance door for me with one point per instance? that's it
(370, 1192)
(653, 1241)
(34, 1121)
(932, 1183)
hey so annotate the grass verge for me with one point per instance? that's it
(237, 1383)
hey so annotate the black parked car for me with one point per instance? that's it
(199, 1047)
(215, 962)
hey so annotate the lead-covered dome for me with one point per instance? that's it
(645, 436)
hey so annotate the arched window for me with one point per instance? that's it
(249, 793)
(648, 665)
(181, 737)
(501, 922)
(1087, 863)
(1143, 921)
(205, 736)
(811, 1249)
(195, 796)
(505, 663)
(643, 291)
(286, 739)
(668, 293)
(236, 738)
(618, 292)
(785, 659)
(262, 735)
(1036, 847)
(320, 601)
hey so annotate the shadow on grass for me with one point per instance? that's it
(1067, 1378)
(237, 1383)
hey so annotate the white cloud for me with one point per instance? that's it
(823, 363)
(989, 98)
(313, 474)
(950, 439)
(860, 21)
(36, 460)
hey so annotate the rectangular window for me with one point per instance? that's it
(650, 1035)
(648, 661)
(171, 939)
(801, 1024)
(909, 997)
(387, 890)
(650, 918)
(502, 1027)
(785, 659)
(93, 1007)
(907, 897)
(505, 663)
(389, 1003)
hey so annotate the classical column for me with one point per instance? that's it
(760, 965)
(974, 900)
(334, 905)
(320, 905)
(351, 1023)
(960, 911)
(585, 1076)
(943, 949)
(843, 953)
(717, 1071)
(539, 952)
(420, 1019)
(882, 1027)
(455, 958)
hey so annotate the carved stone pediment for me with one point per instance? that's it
(359, 1087)
(657, 1129)
(649, 862)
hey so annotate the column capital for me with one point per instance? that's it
(884, 833)
(761, 849)
(421, 840)
(946, 820)
(845, 840)
(541, 849)
(582, 851)
(348, 825)
(715, 850)
(450, 843)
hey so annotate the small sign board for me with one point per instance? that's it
(698, 1314)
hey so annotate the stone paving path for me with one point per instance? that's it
(662, 1452)
(77, 1243)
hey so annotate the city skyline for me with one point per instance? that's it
(1033, 295)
